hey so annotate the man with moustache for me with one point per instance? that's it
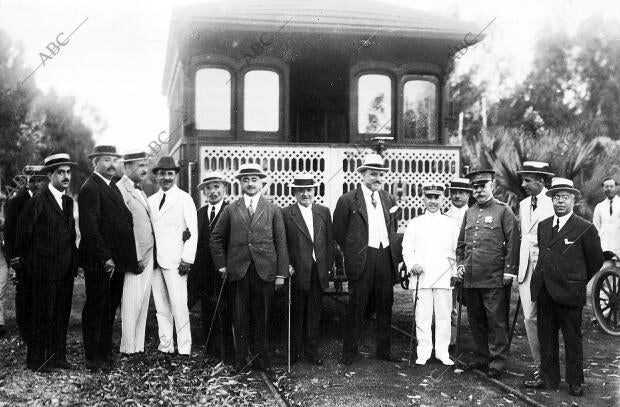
(429, 245)
(137, 284)
(248, 246)
(35, 183)
(607, 218)
(173, 211)
(107, 251)
(487, 257)
(204, 282)
(365, 229)
(46, 232)
(311, 255)
(570, 255)
(460, 193)
(533, 209)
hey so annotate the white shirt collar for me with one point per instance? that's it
(563, 219)
(304, 209)
(367, 191)
(107, 181)
(217, 206)
(254, 199)
(541, 193)
(56, 193)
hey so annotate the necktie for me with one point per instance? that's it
(116, 191)
(65, 206)
(373, 201)
(534, 203)
(611, 210)
(161, 203)
(556, 228)
(212, 214)
(250, 210)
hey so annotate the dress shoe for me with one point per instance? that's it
(536, 383)
(421, 361)
(346, 360)
(63, 364)
(387, 357)
(2, 331)
(94, 365)
(483, 367)
(314, 360)
(575, 390)
(446, 361)
(494, 374)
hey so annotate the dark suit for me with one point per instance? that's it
(47, 234)
(311, 276)
(13, 208)
(106, 228)
(371, 272)
(253, 252)
(567, 260)
(204, 284)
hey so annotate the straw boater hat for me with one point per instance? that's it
(33, 171)
(212, 176)
(562, 184)
(459, 184)
(135, 155)
(102, 150)
(536, 167)
(166, 163)
(303, 181)
(432, 188)
(372, 162)
(250, 169)
(56, 160)
(480, 176)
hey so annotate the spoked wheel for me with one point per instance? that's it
(606, 300)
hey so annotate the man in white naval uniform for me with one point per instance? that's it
(137, 286)
(429, 246)
(460, 192)
(607, 218)
(533, 209)
(173, 211)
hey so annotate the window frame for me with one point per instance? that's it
(403, 79)
(231, 72)
(257, 135)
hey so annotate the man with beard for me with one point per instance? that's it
(137, 284)
(107, 251)
(487, 257)
(35, 183)
(46, 232)
(607, 218)
(365, 229)
(173, 211)
(204, 282)
(249, 250)
(533, 209)
(570, 255)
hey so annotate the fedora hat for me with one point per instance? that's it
(372, 162)
(432, 188)
(459, 184)
(536, 167)
(250, 169)
(135, 155)
(562, 184)
(480, 176)
(33, 171)
(303, 181)
(104, 149)
(212, 176)
(56, 160)
(166, 163)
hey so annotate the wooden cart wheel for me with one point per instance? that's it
(606, 300)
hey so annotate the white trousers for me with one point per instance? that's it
(4, 277)
(170, 296)
(438, 300)
(135, 307)
(529, 313)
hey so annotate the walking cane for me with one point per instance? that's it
(415, 304)
(217, 304)
(514, 322)
(289, 324)
(458, 325)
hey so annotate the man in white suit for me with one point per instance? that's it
(533, 209)
(607, 218)
(137, 286)
(173, 211)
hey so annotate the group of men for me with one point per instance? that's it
(237, 254)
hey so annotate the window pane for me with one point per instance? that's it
(374, 104)
(261, 101)
(420, 110)
(213, 99)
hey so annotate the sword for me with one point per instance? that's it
(415, 304)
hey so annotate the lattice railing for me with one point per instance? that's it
(334, 168)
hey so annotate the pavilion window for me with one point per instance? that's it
(213, 99)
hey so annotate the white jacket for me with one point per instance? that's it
(177, 214)
(608, 225)
(430, 241)
(529, 229)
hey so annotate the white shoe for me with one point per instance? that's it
(446, 361)
(421, 362)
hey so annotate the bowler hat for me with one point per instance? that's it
(249, 170)
(372, 162)
(166, 163)
(562, 184)
(212, 176)
(56, 160)
(102, 150)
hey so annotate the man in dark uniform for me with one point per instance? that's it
(36, 182)
(311, 254)
(487, 257)
(46, 232)
(365, 228)
(107, 250)
(204, 282)
(569, 255)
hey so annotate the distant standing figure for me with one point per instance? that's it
(607, 218)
